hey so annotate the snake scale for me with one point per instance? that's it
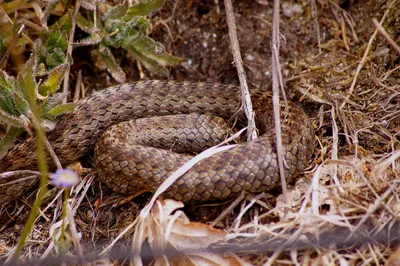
(251, 166)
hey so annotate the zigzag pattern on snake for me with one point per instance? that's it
(250, 166)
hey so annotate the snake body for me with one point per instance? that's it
(250, 166)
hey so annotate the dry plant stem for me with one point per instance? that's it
(383, 32)
(275, 95)
(137, 240)
(228, 210)
(350, 22)
(140, 69)
(246, 100)
(246, 208)
(51, 204)
(7, 174)
(380, 168)
(129, 227)
(364, 59)
(69, 50)
(372, 209)
(345, 123)
(315, 9)
(365, 180)
(48, 145)
(335, 149)
(276, 254)
(32, 25)
(77, 86)
(86, 186)
(11, 220)
(388, 73)
(74, 232)
(315, 188)
(17, 172)
(344, 33)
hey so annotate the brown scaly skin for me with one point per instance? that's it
(250, 166)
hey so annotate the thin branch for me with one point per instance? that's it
(78, 86)
(69, 50)
(276, 83)
(383, 32)
(315, 9)
(244, 89)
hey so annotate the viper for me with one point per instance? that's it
(163, 117)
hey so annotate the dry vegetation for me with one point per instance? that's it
(344, 209)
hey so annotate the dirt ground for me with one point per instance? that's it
(322, 45)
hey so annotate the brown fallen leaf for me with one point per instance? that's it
(167, 228)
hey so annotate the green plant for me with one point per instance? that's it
(125, 27)
(47, 62)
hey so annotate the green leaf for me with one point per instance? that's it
(91, 40)
(8, 86)
(148, 45)
(57, 38)
(8, 140)
(143, 24)
(7, 105)
(65, 23)
(152, 54)
(148, 63)
(51, 102)
(143, 8)
(116, 12)
(21, 104)
(112, 66)
(53, 51)
(7, 83)
(26, 81)
(121, 33)
(86, 25)
(15, 121)
(8, 119)
(62, 109)
(54, 79)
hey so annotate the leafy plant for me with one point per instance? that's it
(48, 61)
(126, 27)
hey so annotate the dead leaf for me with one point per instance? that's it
(169, 231)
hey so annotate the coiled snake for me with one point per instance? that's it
(250, 166)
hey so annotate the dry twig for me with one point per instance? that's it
(69, 50)
(246, 100)
(383, 32)
(276, 83)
